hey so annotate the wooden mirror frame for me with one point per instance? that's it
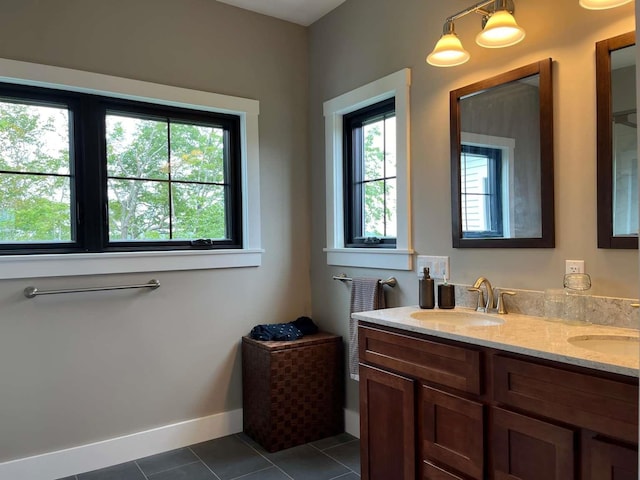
(547, 240)
(606, 239)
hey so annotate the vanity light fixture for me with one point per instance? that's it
(499, 30)
(602, 4)
(449, 51)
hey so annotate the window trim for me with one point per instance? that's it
(53, 265)
(400, 258)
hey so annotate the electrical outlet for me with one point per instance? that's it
(438, 266)
(574, 266)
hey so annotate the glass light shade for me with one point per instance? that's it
(448, 52)
(500, 31)
(602, 4)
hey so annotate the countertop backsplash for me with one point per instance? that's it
(558, 304)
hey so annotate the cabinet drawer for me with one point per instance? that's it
(453, 366)
(606, 406)
(452, 431)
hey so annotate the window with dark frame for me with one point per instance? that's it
(481, 192)
(370, 176)
(86, 173)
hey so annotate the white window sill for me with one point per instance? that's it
(63, 265)
(391, 259)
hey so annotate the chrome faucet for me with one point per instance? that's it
(477, 287)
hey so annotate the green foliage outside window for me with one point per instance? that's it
(35, 191)
(166, 180)
(379, 180)
(142, 156)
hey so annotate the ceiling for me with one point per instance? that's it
(302, 12)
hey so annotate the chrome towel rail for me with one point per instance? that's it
(391, 281)
(31, 292)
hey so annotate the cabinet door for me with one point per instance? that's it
(603, 459)
(387, 432)
(433, 472)
(452, 431)
(528, 449)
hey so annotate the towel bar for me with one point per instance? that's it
(31, 292)
(391, 281)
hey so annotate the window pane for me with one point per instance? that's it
(481, 186)
(197, 153)
(373, 150)
(137, 148)
(625, 180)
(34, 208)
(199, 211)
(475, 173)
(390, 146)
(373, 206)
(390, 194)
(34, 138)
(138, 210)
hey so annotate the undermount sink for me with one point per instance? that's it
(454, 317)
(609, 344)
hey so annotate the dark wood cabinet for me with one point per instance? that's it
(452, 431)
(481, 413)
(528, 449)
(387, 425)
(606, 459)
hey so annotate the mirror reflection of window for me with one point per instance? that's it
(481, 174)
(487, 186)
(624, 144)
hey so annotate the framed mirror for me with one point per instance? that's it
(502, 160)
(617, 142)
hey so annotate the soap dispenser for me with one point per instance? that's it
(426, 290)
(446, 295)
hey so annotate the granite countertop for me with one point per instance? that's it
(534, 336)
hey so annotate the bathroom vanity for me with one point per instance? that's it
(495, 397)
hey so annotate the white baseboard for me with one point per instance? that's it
(84, 458)
(352, 422)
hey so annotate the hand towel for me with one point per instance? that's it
(366, 294)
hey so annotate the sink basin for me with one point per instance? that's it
(609, 344)
(465, 319)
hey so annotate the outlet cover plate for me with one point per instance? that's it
(438, 266)
(574, 266)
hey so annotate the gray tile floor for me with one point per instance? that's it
(239, 457)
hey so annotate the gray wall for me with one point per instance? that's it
(364, 40)
(80, 368)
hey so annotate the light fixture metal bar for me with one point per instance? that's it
(472, 9)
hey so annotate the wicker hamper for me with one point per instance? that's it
(292, 391)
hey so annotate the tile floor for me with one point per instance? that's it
(239, 457)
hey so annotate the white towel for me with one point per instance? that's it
(366, 294)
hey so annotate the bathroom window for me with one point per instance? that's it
(370, 176)
(368, 190)
(481, 191)
(87, 173)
